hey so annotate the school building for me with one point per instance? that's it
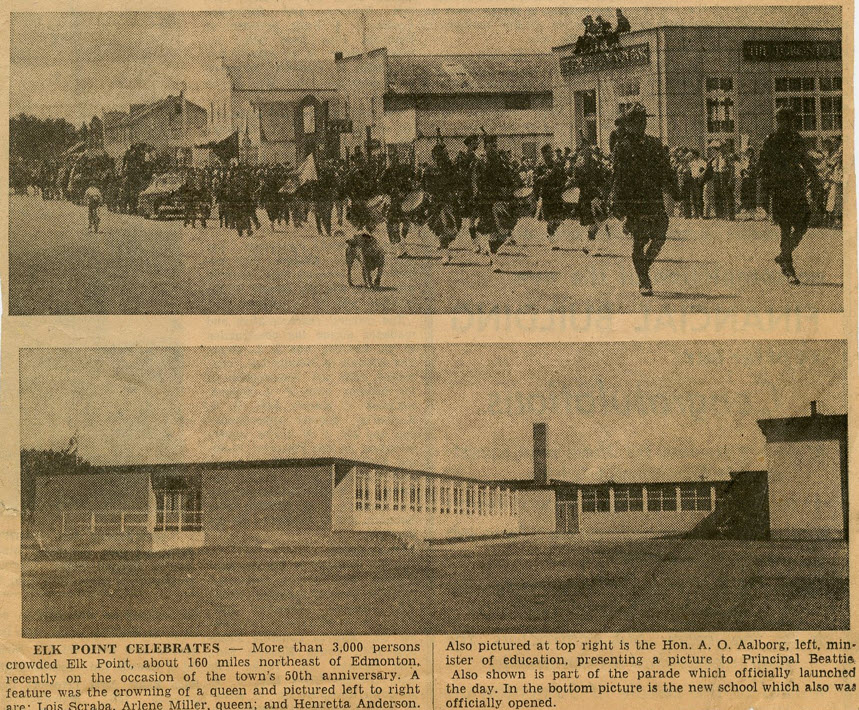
(323, 501)
(702, 84)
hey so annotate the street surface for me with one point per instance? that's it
(138, 266)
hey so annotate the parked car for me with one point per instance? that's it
(161, 199)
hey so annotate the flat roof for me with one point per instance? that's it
(712, 27)
(819, 427)
(275, 463)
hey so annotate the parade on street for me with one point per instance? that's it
(585, 179)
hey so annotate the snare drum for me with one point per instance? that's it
(414, 201)
(523, 193)
(524, 201)
(571, 196)
(378, 207)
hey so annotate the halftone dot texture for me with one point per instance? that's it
(714, 89)
(627, 412)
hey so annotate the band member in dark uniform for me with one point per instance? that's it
(549, 182)
(622, 25)
(495, 181)
(361, 183)
(397, 181)
(441, 184)
(323, 191)
(591, 176)
(270, 196)
(785, 171)
(204, 199)
(465, 164)
(188, 197)
(641, 172)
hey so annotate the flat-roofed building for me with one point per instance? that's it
(281, 111)
(807, 475)
(703, 84)
(260, 503)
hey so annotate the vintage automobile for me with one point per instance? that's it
(162, 198)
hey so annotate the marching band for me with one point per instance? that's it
(485, 190)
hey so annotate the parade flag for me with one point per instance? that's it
(307, 172)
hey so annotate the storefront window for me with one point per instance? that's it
(309, 119)
(721, 103)
(817, 104)
(517, 102)
(830, 113)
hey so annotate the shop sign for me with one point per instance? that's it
(797, 51)
(612, 59)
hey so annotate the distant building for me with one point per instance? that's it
(170, 124)
(281, 111)
(396, 103)
(703, 84)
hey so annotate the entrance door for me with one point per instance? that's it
(567, 516)
(178, 502)
(585, 107)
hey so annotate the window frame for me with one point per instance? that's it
(815, 89)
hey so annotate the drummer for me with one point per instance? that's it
(495, 183)
(592, 178)
(549, 183)
(440, 184)
(397, 181)
(465, 164)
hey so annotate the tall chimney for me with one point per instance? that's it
(540, 473)
(814, 408)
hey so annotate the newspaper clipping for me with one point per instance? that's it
(452, 357)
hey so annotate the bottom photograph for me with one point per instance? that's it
(434, 489)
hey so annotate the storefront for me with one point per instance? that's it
(703, 83)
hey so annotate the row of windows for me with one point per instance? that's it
(385, 490)
(660, 497)
(806, 115)
(816, 103)
(807, 84)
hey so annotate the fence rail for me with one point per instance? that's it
(78, 522)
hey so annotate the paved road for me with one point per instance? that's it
(136, 266)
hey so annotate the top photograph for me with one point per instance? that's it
(533, 160)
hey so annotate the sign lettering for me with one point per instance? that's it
(754, 51)
(622, 57)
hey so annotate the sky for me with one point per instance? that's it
(74, 64)
(614, 411)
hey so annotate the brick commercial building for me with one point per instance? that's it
(702, 84)
(397, 102)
